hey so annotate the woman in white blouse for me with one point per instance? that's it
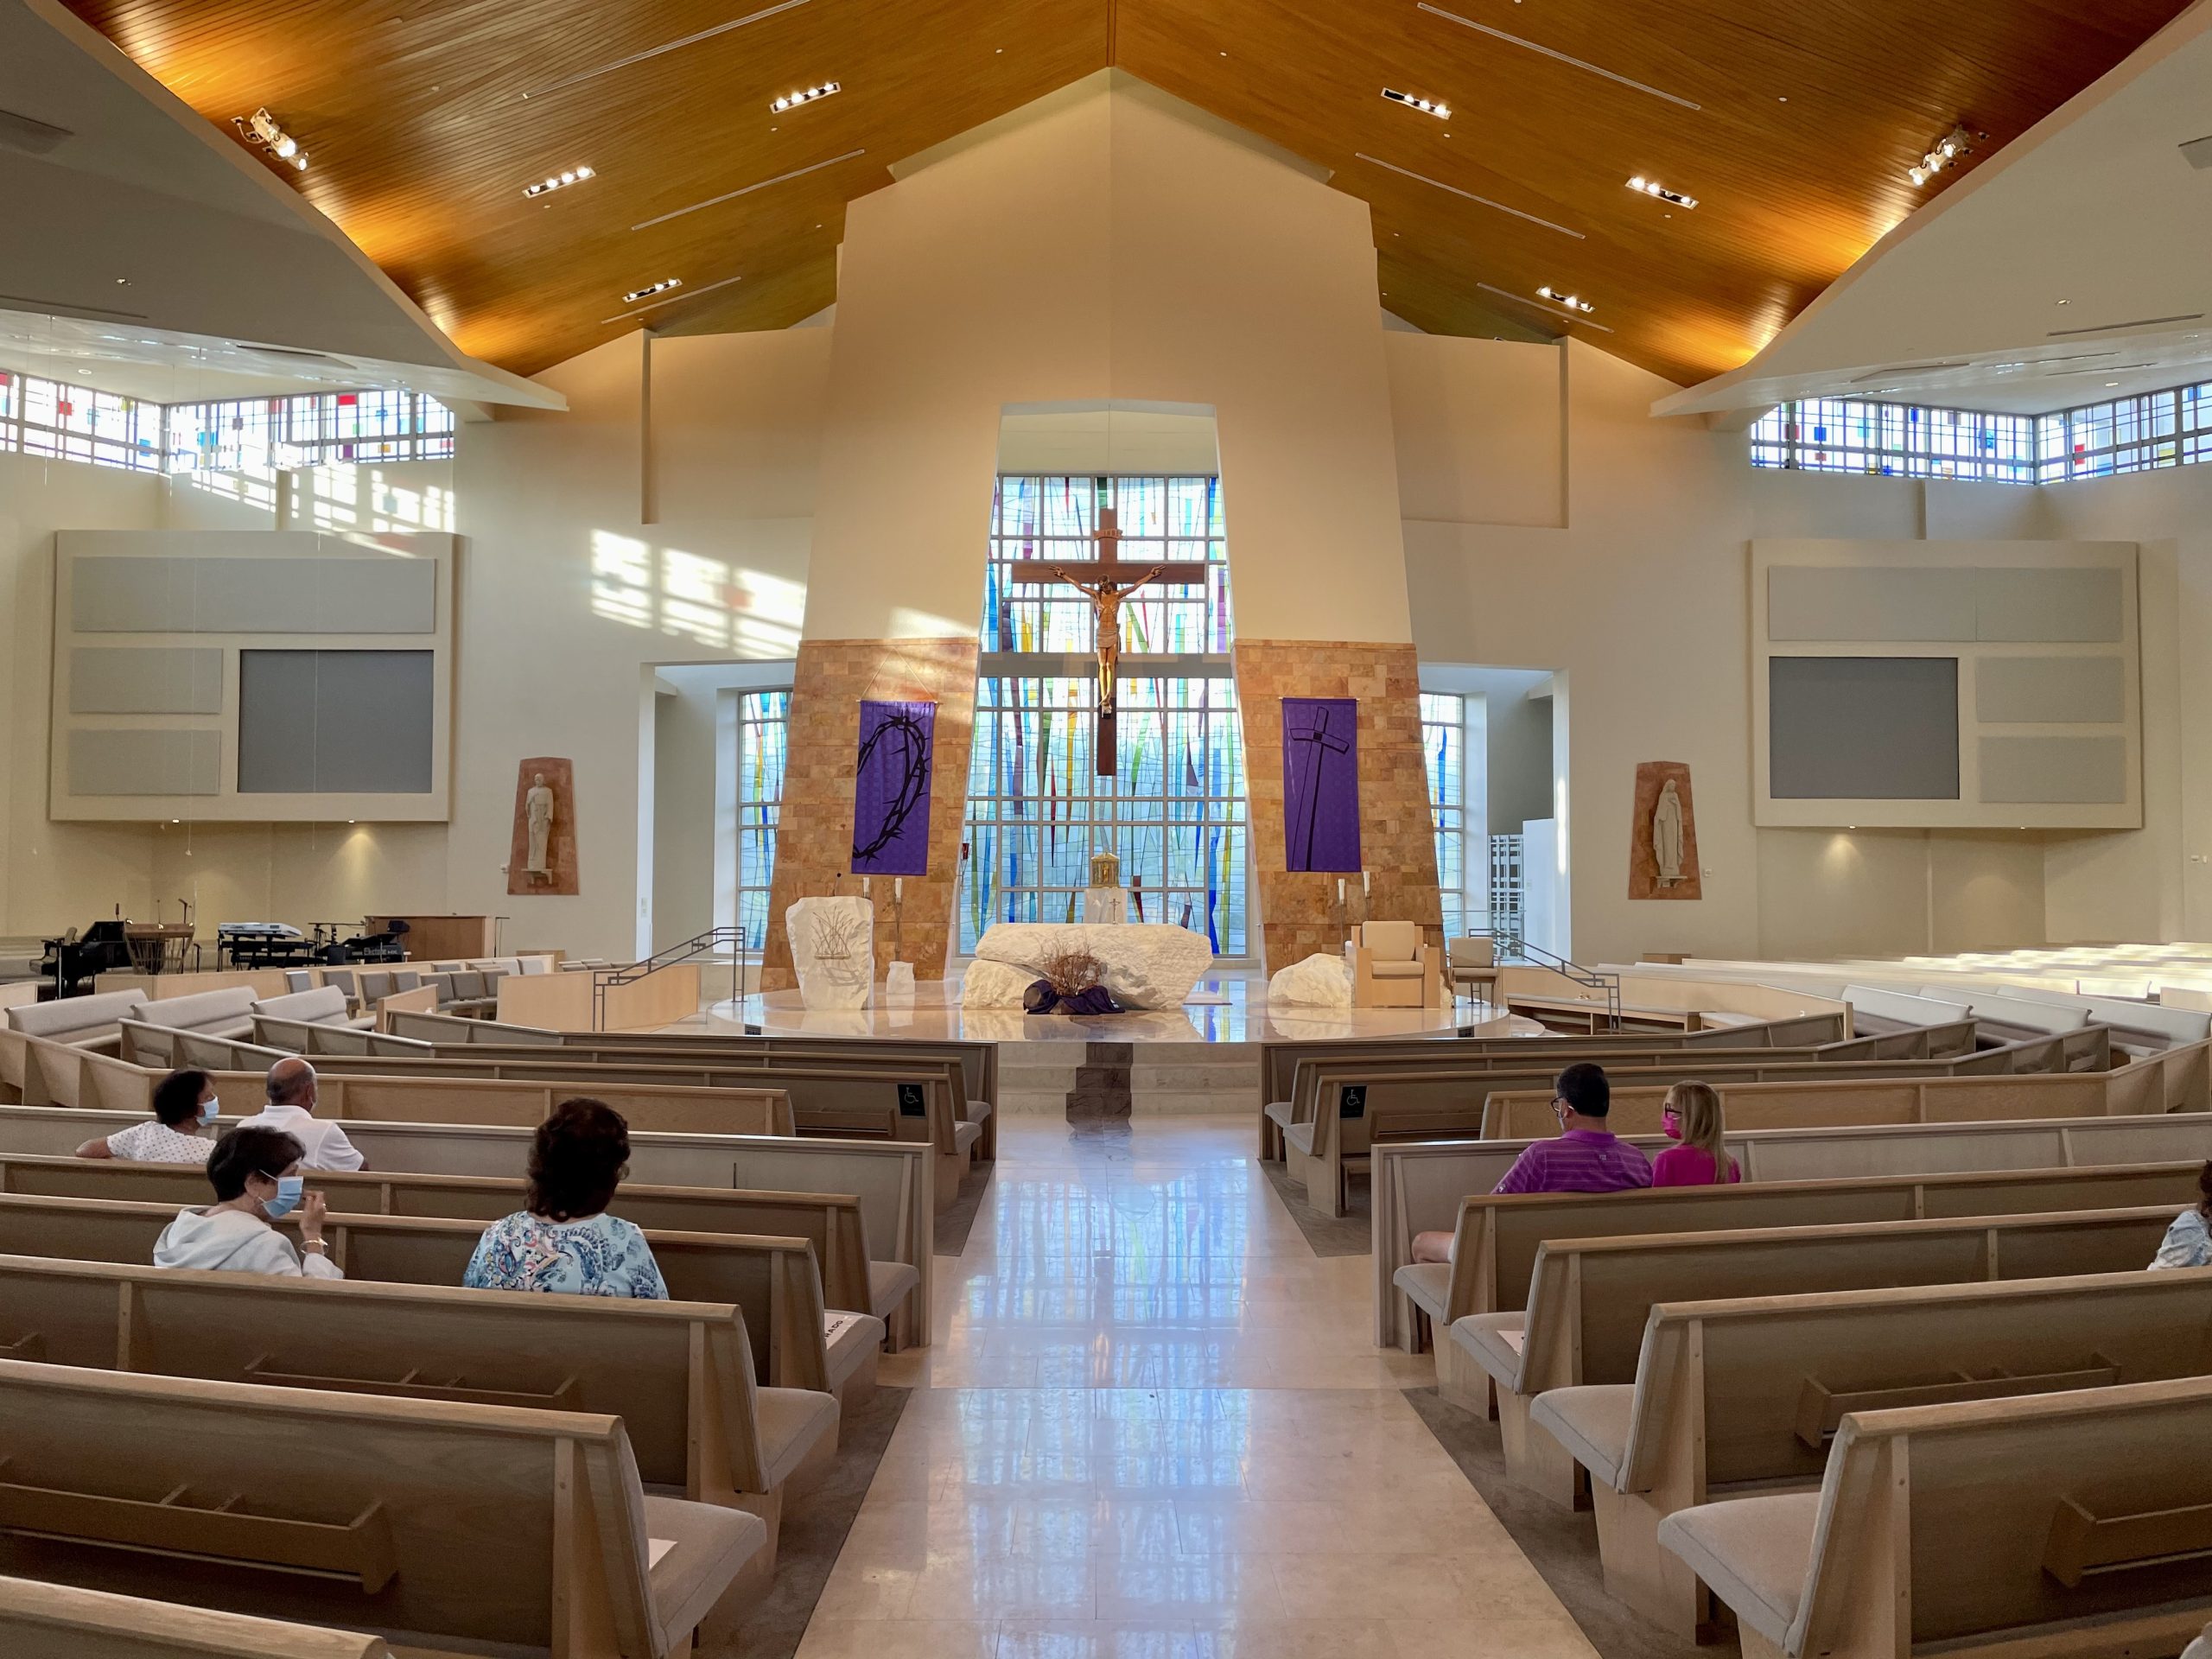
(2188, 1242)
(184, 1105)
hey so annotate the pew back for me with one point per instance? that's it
(37, 1618)
(453, 1521)
(775, 1281)
(679, 1373)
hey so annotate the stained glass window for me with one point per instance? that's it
(1443, 746)
(763, 725)
(1175, 814)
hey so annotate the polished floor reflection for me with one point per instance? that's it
(1152, 1424)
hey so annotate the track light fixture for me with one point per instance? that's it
(260, 128)
(1423, 104)
(1947, 149)
(792, 100)
(560, 180)
(651, 289)
(1547, 292)
(1653, 188)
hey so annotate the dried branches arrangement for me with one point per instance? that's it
(1071, 973)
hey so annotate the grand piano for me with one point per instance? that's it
(71, 960)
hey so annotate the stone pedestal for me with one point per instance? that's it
(898, 984)
(1105, 905)
(833, 949)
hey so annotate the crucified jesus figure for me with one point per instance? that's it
(1106, 596)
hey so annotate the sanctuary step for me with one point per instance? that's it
(1162, 1077)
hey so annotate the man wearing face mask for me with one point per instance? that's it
(255, 1175)
(1586, 1157)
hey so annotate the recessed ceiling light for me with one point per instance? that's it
(792, 100)
(1557, 297)
(1653, 188)
(651, 289)
(1425, 105)
(677, 299)
(2066, 301)
(2112, 383)
(560, 180)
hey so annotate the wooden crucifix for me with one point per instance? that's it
(1107, 580)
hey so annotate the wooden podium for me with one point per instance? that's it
(441, 939)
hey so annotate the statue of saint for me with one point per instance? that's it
(538, 811)
(1667, 835)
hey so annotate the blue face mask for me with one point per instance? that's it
(288, 1189)
(208, 1108)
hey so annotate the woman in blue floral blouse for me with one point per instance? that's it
(565, 1241)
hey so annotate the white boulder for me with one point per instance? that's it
(833, 949)
(994, 985)
(1320, 981)
(1149, 965)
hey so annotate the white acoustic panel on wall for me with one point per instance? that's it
(154, 680)
(135, 761)
(2045, 770)
(348, 699)
(1946, 684)
(2050, 691)
(137, 594)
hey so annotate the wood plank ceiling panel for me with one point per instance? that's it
(426, 117)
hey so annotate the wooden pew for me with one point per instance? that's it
(1351, 1116)
(2069, 1523)
(679, 1375)
(2167, 1083)
(53, 1618)
(431, 1524)
(1589, 1298)
(1942, 1168)
(830, 1221)
(892, 1179)
(1735, 1396)
(774, 1280)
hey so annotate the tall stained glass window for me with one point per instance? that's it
(1176, 812)
(763, 724)
(1443, 748)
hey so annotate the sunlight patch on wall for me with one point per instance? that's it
(748, 613)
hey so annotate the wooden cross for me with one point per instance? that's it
(1106, 581)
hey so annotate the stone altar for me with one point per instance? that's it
(1147, 965)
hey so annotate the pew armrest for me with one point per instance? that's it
(792, 1422)
(1753, 1552)
(710, 1546)
(1493, 1341)
(890, 1283)
(1591, 1422)
(1429, 1286)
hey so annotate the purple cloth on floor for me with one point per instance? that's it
(1042, 998)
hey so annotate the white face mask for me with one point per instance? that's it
(208, 1108)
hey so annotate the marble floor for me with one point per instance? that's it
(1152, 1424)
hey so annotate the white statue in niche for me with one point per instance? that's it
(537, 812)
(1667, 835)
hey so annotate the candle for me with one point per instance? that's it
(897, 888)
(1366, 882)
(864, 885)
(1341, 889)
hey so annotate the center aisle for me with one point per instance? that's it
(1152, 1425)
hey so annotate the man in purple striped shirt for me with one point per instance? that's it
(1588, 1157)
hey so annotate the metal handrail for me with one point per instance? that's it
(697, 945)
(1513, 947)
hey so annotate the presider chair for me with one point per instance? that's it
(1391, 967)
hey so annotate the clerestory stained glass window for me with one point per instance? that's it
(1175, 814)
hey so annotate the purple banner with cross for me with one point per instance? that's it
(891, 789)
(1320, 783)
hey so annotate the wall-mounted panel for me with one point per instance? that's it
(154, 680)
(130, 593)
(117, 761)
(1945, 684)
(273, 677)
(1883, 728)
(335, 722)
(2050, 691)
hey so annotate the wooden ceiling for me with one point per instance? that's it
(425, 119)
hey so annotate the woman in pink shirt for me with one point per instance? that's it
(1691, 1115)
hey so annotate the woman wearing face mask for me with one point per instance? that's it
(255, 1175)
(1691, 1115)
(184, 1104)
